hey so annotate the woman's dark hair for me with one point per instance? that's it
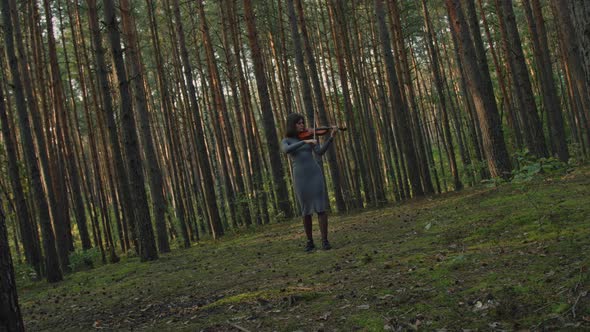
(291, 124)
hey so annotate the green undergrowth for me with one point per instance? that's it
(509, 257)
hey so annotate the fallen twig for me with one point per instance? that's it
(238, 327)
(582, 294)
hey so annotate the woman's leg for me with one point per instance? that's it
(308, 232)
(307, 227)
(323, 221)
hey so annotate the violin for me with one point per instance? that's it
(308, 133)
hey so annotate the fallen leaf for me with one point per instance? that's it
(97, 324)
(325, 316)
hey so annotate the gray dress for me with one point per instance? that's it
(308, 179)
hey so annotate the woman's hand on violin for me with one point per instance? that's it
(334, 131)
(311, 141)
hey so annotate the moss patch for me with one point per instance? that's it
(504, 258)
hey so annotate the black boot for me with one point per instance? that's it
(326, 245)
(310, 246)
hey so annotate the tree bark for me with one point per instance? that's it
(580, 12)
(26, 223)
(401, 109)
(446, 128)
(151, 162)
(414, 111)
(172, 134)
(485, 103)
(52, 268)
(572, 52)
(340, 38)
(247, 116)
(534, 16)
(203, 159)
(145, 232)
(278, 177)
(533, 131)
(10, 315)
(224, 130)
(501, 77)
(123, 186)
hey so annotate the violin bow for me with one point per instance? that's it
(314, 125)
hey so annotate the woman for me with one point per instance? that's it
(308, 179)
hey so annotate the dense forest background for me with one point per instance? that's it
(141, 126)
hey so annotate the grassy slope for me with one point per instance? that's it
(511, 257)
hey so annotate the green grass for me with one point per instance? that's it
(505, 258)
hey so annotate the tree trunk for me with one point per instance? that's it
(268, 122)
(172, 134)
(572, 52)
(79, 166)
(533, 131)
(224, 130)
(151, 162)
(61, 220)
(485, 103)
(446, 128)
(414, 111)
(534, 16)
(26, 223)
(145, 232)
(203, 159)
(580, 13)
(232, 63)
(10, 316)
(340, 38)
(401, 109)
(52, 268)
(501, 78)
(251, 132)
(123, 185)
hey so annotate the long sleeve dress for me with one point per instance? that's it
(308, 179)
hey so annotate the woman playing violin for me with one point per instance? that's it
(308, 179)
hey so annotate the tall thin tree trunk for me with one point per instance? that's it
(224, 131)
(580, 13)
(27, 230)
(270, 131)
(61, 221)
(501, 77)
(533, 131)
(247, 116)
(145, 232)
(446, 128)
(572, 52)
(11, 319)
(172, 134)
(485, 103)
(534, 16)
(401, 109)
(407, 81)
(151, 162)
(203, 160)
(53, 271)
(360, 172)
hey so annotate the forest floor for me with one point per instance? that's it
(512, 257)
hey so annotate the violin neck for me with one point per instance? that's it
(325, 128)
